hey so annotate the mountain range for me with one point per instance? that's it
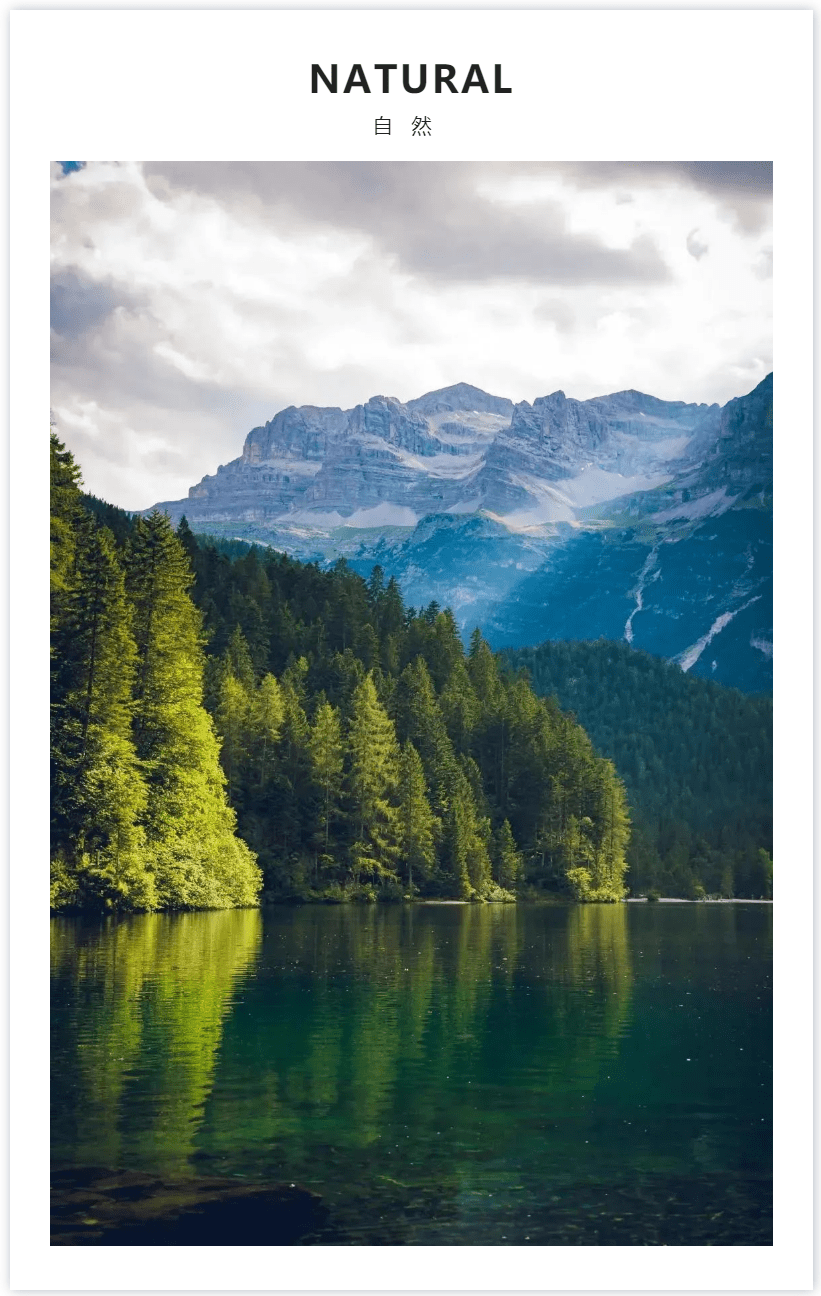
(624, 516)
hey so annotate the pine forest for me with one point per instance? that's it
(696, 759)
(230, 725)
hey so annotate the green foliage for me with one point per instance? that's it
(327, 753)
(348, 743)
(373, 777)
(232, 720)
(695, 757)
(140, 818)
(435, 750)
(198, 860)
(508, 864)
(117, 520)
(98, 794)
(419, 827)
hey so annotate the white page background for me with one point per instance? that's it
(587, 85)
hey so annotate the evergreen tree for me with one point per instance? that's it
(290, 802)
(326, 748)
(491, 743)
(238, 659)
(98, 793)
(188, 541)
(265, 719)
(695, 757)
(67, 519)
(419, 720)
(372, 784)
(508, 861)
(418, 826)
(461, 843)
(232, 724)
(198, 860)
(460, 708)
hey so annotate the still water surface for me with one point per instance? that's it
(511, 1075)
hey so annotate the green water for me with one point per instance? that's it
(511, 1075)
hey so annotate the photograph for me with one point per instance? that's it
(411, 699)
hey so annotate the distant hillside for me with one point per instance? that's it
(695, 757)
(118, 521)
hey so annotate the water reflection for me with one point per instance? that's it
(352, 1020)
(137, 1008)
(431, 1070)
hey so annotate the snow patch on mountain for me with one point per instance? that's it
(550, 504)
(595, 485)
(382, 515)
(763, 645)
(711, 505)
(645, 575)
(439, 465)
(691, 655)
(466, 506)
(313, 519)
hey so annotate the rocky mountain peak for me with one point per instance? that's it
(461, 397)
(460, 450)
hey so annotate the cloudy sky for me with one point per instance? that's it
(193, 300)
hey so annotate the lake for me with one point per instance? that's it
(506, 1075)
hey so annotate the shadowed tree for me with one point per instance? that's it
(418, 826)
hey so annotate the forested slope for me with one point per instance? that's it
(363, 751)
(695, 757)
(392, 761)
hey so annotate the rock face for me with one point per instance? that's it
(456, 450)
(625, 515)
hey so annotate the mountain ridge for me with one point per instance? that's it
(457, 448)
(624, 515)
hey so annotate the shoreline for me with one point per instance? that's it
(433, 901)
(707, 900)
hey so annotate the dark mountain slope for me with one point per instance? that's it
(695, 757)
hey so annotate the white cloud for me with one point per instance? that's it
(188, 310)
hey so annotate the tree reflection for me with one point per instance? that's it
(138, 1012)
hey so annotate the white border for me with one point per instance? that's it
(601, 85)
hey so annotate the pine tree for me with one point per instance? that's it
(372, 784)
(457, 840)
(460, 708)
(238, 658)
(418, 826)
(67, 518)
(198, 860)
(98, 793)
(265, 722)
(232, 724)
(327, 758)
(478, 746)
(293, 774)
(188, 540)
(508, 861)
(419, 720)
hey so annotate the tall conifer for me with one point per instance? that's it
(327, 758)
(418, 826)
(99, 794)
(372, 783)
(198, 860)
